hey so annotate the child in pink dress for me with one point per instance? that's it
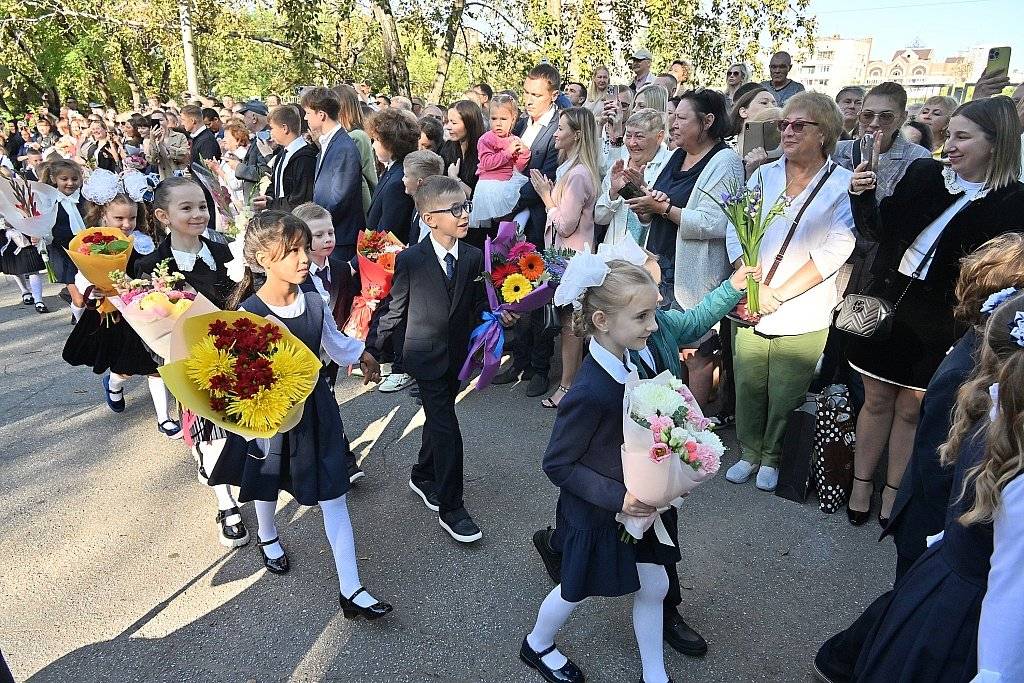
(502, 159)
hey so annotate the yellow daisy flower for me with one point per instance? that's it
(515, 288)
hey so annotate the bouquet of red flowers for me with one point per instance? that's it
(376, 251)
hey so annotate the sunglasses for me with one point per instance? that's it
(798, 125)
(456, 211)
(884, 117)
(733, 73)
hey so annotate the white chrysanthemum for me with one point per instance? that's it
(655, 399)
(710, 439)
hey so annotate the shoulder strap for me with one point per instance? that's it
(796, 222)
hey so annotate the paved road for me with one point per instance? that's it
(113, 573)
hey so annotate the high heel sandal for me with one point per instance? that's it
(351, 610)
(277, 565)
(858, 517)
(884, 521)
(548, 403)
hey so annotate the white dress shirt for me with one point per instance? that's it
(186, 260)
(325, 140)
(533, 128)
(440, 252)
(314, 268)
(825, 236)
(620, 369)
(342, 349)
(196, 132)
(915, 254)
(289, 151)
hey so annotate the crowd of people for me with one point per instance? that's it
(922, 211)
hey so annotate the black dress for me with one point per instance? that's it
(15, 260)
(309, 460)
(927, 629)
(923, 326)
(63, 267)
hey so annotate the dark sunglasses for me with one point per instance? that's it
(734, 73)
(884, 117)
(798, 125)
(456, 211)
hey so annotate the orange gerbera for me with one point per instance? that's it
(387, 261)
(531, 266)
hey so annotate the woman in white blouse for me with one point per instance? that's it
(797, 300)
(236, 146)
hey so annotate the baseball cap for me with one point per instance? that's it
(255, 106)
(642, 54)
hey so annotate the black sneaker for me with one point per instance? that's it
(427, 491)
(538, 385)
(552, 560)
(460, 526)
(355, 473)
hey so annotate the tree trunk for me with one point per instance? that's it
(133, 79)
(444, 57)
(398, 71)
(185, 13)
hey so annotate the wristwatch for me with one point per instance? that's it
(667, 209)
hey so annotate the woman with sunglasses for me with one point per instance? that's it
(737, 75)
(801, 253)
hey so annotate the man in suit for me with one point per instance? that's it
(202, 140)
(338, 180)
(255, 166)
(532, 348)
(440, 269)
(293, 166)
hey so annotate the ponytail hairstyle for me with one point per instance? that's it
(1002, 362)
(611, 296)
(51, 169)
(94, 214)
(162, 198)
(270, 232)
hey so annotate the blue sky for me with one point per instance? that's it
(946, 25)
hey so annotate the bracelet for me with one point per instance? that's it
(667, 209)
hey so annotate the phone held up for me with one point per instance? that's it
(868, 151)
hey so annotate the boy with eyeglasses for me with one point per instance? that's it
(438, 297)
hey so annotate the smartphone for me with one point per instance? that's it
(764, 134)
(630, 191)
(867, 151)
(998, 61)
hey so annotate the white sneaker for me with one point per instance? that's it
(741, 472)
(395, 382)
(767, 478)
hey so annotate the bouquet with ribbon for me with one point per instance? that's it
(28, 207)
(243, 372)
(376, 251)
(152, 306)
(667, 447)
(518, 279)
(98, 252)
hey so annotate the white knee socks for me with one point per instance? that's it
(338, 527)
(648, 620)
(159, 394)
(267, 526)
(20, 281)
(35, 283)
(115, 386)
(553, 614)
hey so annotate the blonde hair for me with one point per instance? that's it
(997, 118)
(423, 163)
(502, 100)
(824, 111)
(613, 295)
(995, 265)
(311, 212)
(593, 94)
(586, 151)
(948, 102)
(1002, 361)
(655, 97)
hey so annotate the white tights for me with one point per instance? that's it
(156, 390)
(648, 623)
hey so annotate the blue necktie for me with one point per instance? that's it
(449, 266)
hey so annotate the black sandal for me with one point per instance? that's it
(858, 517)
(277, 565)
(27, 299)
(548, 403)
(884, 521)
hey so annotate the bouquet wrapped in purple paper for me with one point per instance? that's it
(518, 279)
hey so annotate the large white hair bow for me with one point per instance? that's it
(586, 270)
(102, 186)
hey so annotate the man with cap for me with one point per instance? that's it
(640, 65)
(255, 165)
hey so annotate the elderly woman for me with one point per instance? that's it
(775, 359)
(645, 144)
(936, 112)
(737, 75)
(936, 214)
(236, 146)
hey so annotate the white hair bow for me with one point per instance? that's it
(586, 270)
(102, 186)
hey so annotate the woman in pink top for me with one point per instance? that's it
(570, 205)
(502, 158)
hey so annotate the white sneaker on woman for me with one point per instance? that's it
(395, 382)
(741, 472)
(767, 478)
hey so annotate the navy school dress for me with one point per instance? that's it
(15, 260)
(115, 347)
(584, 460)
(928, 627)
(308, 461)
(63, 267)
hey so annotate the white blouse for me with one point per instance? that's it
(824, 236)
(342, 349)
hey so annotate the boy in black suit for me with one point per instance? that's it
(441, 268)
(201, 139)
(294, 165)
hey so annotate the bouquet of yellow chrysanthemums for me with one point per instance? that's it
(242, 372)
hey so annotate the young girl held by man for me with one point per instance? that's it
(502, 159)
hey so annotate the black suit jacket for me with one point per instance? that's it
(544, 157)
(391, 208)
(436, 335)
(343, 289)
(204, 145)
(299, 176)
(215, 286)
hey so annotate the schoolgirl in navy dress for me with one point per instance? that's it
(958, 613)
(66, 176)
(113, 349)
(20, 259)
(583, 459)
(182, 208)
(308, 461)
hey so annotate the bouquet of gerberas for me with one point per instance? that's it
(27, 207)
(376, 251)
(667, 447)
(240, 371)
(517, 278)
(152, 306)
(745, 208)
(98, 252)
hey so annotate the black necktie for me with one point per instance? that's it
(325, 277)
(449, 266)
(279, 179)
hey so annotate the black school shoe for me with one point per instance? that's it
(512, 374)
(460, 526)
(683, 639)
(568, 673)
(552, 559)
(232, 535)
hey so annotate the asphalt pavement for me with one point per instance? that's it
(113, 572)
